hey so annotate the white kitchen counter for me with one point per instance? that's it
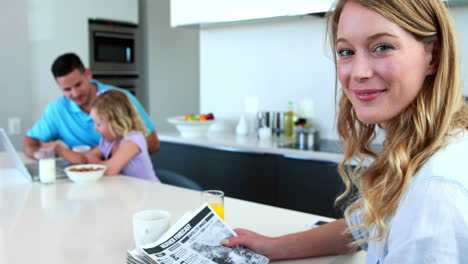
(92, 223)
(250, 144)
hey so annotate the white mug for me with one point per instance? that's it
(149, 226)
(81, 148)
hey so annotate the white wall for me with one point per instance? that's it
(273, 61)
(58, 26)
(34, 33)
(16, 93)
(171, 71)
(277, 62)
(120, 10)
(460, 17)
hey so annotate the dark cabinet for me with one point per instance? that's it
(242, 175)
(297, 184)
(309, 186)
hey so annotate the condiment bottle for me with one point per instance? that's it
(289, 119)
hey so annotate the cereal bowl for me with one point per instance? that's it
(85, 172)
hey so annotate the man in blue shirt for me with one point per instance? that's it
(67, 118)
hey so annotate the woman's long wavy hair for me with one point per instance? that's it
(414, 135)
(117, 110)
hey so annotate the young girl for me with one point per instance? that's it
(123, 146)
(398, 65)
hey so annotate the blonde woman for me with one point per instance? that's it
(123, 146)
(397, 63)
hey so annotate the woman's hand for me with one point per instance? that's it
(328, 239)
(260, 244)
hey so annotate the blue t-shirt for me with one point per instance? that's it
(63, 119)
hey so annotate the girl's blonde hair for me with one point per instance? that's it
(117, 110)
(414, 135)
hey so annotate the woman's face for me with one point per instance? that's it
(381, 66)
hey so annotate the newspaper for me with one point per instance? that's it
(195, 239)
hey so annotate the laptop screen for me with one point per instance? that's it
(10, 155)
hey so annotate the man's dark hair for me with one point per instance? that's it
(67, 63)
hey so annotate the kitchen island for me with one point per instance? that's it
(257, 170)
(71, 223)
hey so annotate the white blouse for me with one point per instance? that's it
(431, 221)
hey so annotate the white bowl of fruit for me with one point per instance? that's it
(192, 125)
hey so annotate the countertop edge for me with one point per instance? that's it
(248, 144)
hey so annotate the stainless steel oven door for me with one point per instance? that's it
(113, 48)
(126, 82)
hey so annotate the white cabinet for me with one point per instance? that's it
(189, 12)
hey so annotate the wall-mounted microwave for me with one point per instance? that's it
(113, 47)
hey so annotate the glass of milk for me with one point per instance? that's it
(47, 165)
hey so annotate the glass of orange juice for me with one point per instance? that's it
(215, 199)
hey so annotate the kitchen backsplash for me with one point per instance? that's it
(273, 62)
(277, 62)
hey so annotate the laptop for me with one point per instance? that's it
(30, 171)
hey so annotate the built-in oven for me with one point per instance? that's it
(113, 47)
(113, 55)
(128, 82)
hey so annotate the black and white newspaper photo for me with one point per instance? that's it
(195, 239)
